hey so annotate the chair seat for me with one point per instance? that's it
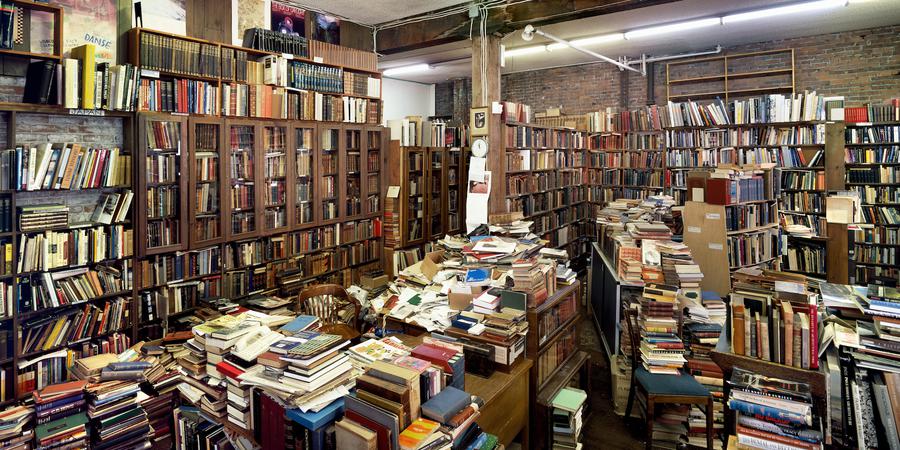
(678, 385)
(341, 329)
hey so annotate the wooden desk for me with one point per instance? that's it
(505, 412)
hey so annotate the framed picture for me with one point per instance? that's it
(478, 119)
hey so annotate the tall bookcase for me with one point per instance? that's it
(429, 202)
(264, 206)
(544, 173)
(872, 161)
(27, 310)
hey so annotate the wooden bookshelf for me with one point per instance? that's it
(871, 261)
(242, 253)
(548, 165)
(144, 46)
(18, 322)
(728, 76)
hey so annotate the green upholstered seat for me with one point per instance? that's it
(657, 384)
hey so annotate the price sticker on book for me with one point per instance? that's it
(147, 73)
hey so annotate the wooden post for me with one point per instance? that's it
(837, 247)
(486, 89)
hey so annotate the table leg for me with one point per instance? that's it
(709, 423)
(649, 422)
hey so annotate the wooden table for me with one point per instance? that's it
(505, 412)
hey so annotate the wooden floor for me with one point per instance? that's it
(604, 429)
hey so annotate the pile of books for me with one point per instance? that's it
(772, 413)
(630, 265)
(568, 406)
(679, 267)
(61, 417)
(700, 335)
(537, 280)
(670, 426)
(117, 418)
(662, 351)
(864, 358)
(43, 217)
(15, 426)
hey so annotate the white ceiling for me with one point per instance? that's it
(452, 59)
(376, 11)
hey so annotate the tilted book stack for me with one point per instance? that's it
(662, 351)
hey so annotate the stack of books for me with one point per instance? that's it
(670, 428)
(662, 351)
(537, 280)
(700, 336)
(679, 268)
(15, 427)
(773, 413)
(568, 408)
(314, 361)
(457, 412)
(43, 217)
(130, 370)
(61, 417)
(630, 265)
(117, 419)
(447, 356)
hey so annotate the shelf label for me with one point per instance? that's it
(318, 59)
(393, 191)
(713, 216)
(694, 230)
(715, 246)
(179, 114)
(147, 73)
(87, 112)
(287, 56)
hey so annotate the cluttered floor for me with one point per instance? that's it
(604, 429)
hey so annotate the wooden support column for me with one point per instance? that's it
(486, 89)
(838, 246)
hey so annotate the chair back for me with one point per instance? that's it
(631, 317)
(327, 301)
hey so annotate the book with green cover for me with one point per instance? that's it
(569, 399)
(60, 426)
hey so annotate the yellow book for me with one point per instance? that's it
(85, 53)
(48, 344)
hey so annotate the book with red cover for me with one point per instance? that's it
(382, 432)
(718, 191)
(229, 370)
(438, 356)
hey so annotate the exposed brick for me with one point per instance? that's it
(861, 65)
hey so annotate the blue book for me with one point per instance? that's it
(446, 404)
(315, 420)
(478, 275)
(752, 409)
(297, 325)
(136, 365)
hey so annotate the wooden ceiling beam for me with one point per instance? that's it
(500, 20)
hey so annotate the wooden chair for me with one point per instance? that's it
(663, 389)
(334, 307)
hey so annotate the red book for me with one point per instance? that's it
(718, 191)
(383, 435)
(436, 355)
(229, 370)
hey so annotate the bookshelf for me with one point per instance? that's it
(161, 184)
(733, 75)
(728, 232)
(544, 173)
(430, 201)
(281, 219)
(108, 258)
(331, 83)
(553, 342)
(872, 161)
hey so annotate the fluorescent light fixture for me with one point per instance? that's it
(525, 50)
(592, 40)
(407, 69)
(782, 10)
(674, 27)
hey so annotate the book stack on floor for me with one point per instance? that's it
(679, 268)
(701, 334)
(387, 401)
(662, 351)
(16, 427)
(670, 427)
(194, 431)
(457, 412)
(773, 413)
(568, 408)
(61, 417)
(117, 419)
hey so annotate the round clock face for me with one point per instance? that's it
(479, 148)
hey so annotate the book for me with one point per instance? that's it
(85, 54)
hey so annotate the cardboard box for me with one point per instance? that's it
(370, 282)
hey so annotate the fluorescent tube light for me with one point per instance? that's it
(407, 69)
(782, 10)
(525, 50)
(671, 28)
(592, 40)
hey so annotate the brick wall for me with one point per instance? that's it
(861, 65)
(33, 129)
